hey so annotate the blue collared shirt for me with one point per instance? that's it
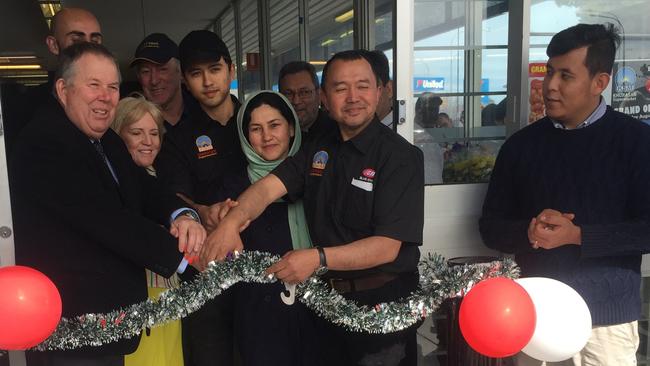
(595, 116)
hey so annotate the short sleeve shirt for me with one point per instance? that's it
(370, 185)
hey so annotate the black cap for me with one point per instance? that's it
(202, 45)
(156, 48)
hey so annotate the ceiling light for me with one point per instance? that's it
(20, 67)
(327, 42)
(345, 16)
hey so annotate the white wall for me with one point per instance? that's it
(451, 214)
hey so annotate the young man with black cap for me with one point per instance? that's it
(159, 73)
(193, 160)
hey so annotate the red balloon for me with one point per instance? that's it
(30, 307)
(497, 317)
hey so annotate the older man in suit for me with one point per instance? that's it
(85, 214)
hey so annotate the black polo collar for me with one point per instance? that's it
(366, 138)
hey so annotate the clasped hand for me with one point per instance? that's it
(552, 229)
(190, 235)
(295, 266)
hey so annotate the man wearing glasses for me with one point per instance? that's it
(299, 83)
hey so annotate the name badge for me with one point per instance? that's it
(366, 186)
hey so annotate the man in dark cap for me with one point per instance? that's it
(159, 74)
(193, 161)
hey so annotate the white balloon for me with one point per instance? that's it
(563, 320)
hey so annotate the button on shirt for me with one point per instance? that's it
(196, 155)
(370, 185)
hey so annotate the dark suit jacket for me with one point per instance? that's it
(91, 237)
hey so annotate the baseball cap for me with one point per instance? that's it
(156, 48)
(202, 45)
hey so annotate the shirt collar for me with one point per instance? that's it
(595, 116)
(364, 139)
(203, 116)
(388, 120)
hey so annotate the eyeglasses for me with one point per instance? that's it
(302, 93)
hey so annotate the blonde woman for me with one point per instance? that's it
(140, 124)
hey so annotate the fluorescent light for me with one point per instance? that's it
(318, 63)
(12, 59)
(24, 76)
(345, 34)
(345, 16)
(327, 42)
(20, 67)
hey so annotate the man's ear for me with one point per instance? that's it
(600, 82)
(233, 73)
(389, 88)
(52, 45)
(60, 88)
(323, 100)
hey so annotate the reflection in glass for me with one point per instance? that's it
(251, 81)
(330, 29)
(228, 37)
(460, 83)
(285, 42)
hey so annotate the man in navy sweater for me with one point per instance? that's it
(569, 194)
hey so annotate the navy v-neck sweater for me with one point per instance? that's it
(601, 173)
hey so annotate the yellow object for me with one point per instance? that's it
(162, 347)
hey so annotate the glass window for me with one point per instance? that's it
(383, 24)
(228, 36)
(251, 60)
(285, 39)
(460, 85)
(331, 29)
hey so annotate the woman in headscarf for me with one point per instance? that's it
(268, 332)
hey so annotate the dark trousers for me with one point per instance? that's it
(340, 346)
(54, 359)
(208, 334)
(269, 332)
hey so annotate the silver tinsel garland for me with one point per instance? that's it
(438, 281)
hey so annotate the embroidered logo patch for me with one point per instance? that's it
(204, 145)
(318, 163)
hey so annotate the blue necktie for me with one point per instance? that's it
(100, 150)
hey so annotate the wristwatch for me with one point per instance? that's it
(191, 214)
(322, 268)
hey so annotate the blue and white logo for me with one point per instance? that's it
(625, 79)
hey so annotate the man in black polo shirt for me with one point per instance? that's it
(194, 158)
(363, 191)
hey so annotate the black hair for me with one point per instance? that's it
(271, 99)
(349, 55)
(69, 56)
(379, 62)
(488, 115)
(500, 111)
(295, 67)
(601, 42)
(427, 108)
